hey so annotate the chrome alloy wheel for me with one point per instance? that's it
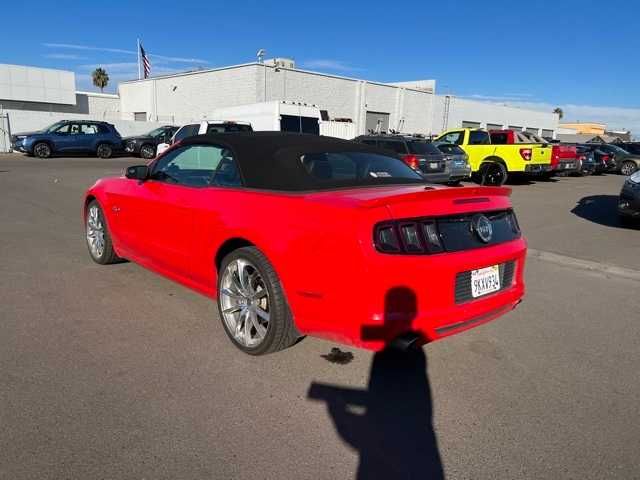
(95, 231)
(244, 302)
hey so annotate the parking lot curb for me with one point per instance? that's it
(588, 265)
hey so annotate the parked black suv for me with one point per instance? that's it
(416, 152)
(145, 145)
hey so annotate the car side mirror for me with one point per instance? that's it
(137, 172)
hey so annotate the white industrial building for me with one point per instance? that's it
(34, 97)
(404, 106)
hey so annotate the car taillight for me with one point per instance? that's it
(525, 153)
(513, 221)
(408, 237)
(386, 239)
(412, 161)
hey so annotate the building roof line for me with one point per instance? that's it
(252, 64)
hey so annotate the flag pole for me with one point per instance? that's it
(139, 74)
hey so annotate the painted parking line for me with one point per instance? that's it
(586, 265)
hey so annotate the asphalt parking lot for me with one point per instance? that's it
(115, 372)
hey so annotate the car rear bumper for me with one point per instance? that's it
(538, 168)
(424, 295)
(459, 173)
(440, 177)
(567, 165)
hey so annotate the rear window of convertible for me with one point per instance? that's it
(357, 168)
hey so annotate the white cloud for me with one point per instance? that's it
(65, 56)
(498, 98)
(328, 64)
(616, 118)
(87, 47)
(111, 67)
(161, 58)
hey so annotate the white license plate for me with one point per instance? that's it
(485, 280)
(433, 165)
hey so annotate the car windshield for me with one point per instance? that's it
(420, 147)
(618, 150)
(155, 132)
(358, 168)
(451, 149)
(54, 127)
(228, 128)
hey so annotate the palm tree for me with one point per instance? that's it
(559, 111)
(100, 78)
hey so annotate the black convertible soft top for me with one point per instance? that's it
(272, 160)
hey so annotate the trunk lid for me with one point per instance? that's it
(409, 201)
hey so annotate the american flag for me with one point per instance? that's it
(146, 64)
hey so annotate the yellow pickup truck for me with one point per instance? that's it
(491, 164)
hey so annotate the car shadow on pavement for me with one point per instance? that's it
(389, 423)
(600, 209)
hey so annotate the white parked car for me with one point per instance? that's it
(203, 128)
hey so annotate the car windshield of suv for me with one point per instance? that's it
(358, 168)
(228, 128)
(618, 150)
(155, 132)
(54, 127)
(451, 149)
(421, 147)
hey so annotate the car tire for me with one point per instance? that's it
(628, 168)
(243, 301)
(493, 174)
(97, 235)
(42, 150)
(104, 150)
(147, 151)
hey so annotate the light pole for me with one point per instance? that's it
(260, 56)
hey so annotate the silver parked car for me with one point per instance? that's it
(458, 160)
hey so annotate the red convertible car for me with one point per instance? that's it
(305, 235)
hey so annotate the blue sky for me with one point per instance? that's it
(581, 55)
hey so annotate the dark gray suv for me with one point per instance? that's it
(421, 155)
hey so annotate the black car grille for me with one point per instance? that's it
(463, 282)
(456, 233)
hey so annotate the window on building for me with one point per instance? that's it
(514, 127)
(467, 124)
(494, 126)
(547, 133)
(140, 116)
